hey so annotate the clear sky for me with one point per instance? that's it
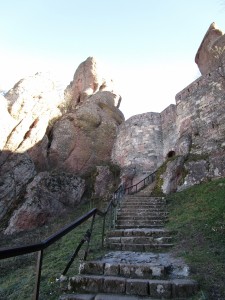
(146, 46)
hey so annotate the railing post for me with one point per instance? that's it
(103, 231)
(88, 241)
(38, 275)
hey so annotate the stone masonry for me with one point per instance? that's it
(194, 125)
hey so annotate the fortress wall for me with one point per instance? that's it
(139, 142)
(169, 129)
(201, 112)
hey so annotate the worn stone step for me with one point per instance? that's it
(141, 218)
(132, 197)
(139, 223)
(140, 209)
(141, 232)
(139, 240)
(135, 201)
(177, 288)
(135, 270)
(102, 297)
(139, 247)
(132, 226)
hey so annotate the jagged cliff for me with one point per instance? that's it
(47, 134)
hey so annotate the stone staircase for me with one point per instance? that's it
(139, 265)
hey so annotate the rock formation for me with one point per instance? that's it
(46, 196)
(45, 132)
(84, 138)
(211, 53)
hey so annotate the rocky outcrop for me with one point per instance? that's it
(33, 102)
(48, 195)
(84, 138)
(43, 131)
(15, 174)
(211, 53)
(86, 81)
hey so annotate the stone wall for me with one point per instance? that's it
(201, 113)
(195, 125)
(139, 142)
(169, 129)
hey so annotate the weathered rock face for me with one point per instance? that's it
(48, 195)
(211, 52)
(15, 174)
(43, 131)
(84, 138)
(173, 175)
(86, 82)
(104, 183)
(32, 103)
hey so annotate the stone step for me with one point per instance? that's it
(141, 207)
(139, 240)
(147, 218)
(102, 297)
(142, 210)
(135, 270)
(139, 247)
(151, 222)
(132, 197)
(160, 289)
(140, 232)
(132, 226)
(146, 201)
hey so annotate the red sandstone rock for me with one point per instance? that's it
(84, 138)
(47, 196)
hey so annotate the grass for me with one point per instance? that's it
(18, 274)
(198, 216)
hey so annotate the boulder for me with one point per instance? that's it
(84, 138)
(104, 183)
(196, 172)
(47, 196)
(173, 175)
(32, 103)
(15, 174)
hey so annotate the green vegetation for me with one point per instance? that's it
(198, 216)
(18, 274)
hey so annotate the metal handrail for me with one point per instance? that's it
(40, 247)
(134, 188)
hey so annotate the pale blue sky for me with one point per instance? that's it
(146, 46)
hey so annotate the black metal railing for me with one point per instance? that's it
(122, 190)
(40, 247)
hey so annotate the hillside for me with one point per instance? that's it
(196, 214)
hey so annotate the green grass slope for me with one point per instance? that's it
(198, 216)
